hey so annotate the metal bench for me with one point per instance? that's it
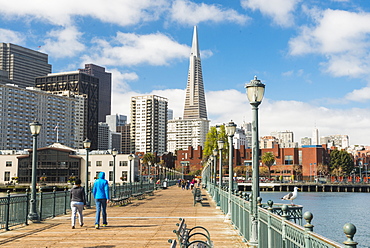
(149, 192)
(197, 194)
(138, 195)
(197, 236)
(123, 198)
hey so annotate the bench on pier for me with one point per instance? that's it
(197, 236)
(197, 194)
(123, 198)
(138, 195)
(149, 192)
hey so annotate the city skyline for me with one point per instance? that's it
(312, 56)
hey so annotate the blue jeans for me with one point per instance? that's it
(101, 206)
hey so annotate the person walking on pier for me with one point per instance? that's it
(101, 195)
(78, 201)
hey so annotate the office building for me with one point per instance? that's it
(285, 139)
(125, 132)
(195, 102)
(22, 64)
(59, 116)
(78, 83)
(105, 89)
(115, 120)
(149, 124)
(338, 140)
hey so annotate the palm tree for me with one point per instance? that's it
(268, 158)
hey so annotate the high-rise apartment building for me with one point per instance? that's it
(149, 124)
(195, 101)
(185, 133)
(337, 140)
(285, 139)
(59, 116)
(22, 64)
(191, 130)
(105, 88)
(78, 83)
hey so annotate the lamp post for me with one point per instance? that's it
(230, 131)
(35, 130)
(114, 153)
(149, 168)
(141, 170)
(130, 158)
(87, 144)
(220, 145)
(215, 152)
(255, 91)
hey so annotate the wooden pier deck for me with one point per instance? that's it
(143, 223)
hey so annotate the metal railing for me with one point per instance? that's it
(278, 225)
(14, 208)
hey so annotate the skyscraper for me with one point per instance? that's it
(195, 102)
(105, 88)
(149, 124)
(191, 130)
(22, 64)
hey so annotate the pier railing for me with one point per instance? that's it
(14, 208)
(278, 226)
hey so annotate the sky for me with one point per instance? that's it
(312, 55)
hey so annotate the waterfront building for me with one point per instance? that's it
(184, 133)
(149, 124)
(105, 89)
(59, 115)
(82, 84)
(23, 65)
(57, 163)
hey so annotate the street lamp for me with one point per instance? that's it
(220, 144)
(230, 131)
(35, 130)
(215, 152)
(130, 158)
(114, 154)
(255, 92)
(87, 144)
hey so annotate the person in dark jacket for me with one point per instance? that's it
(101, 195)
(78, 201)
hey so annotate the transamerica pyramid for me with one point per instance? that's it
(195, 102)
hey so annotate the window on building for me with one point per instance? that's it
(110, 176)
(89, 163)
(98, 163)
(8, 163)
(110, 163)
(97, 174)
(7, 176)
(124, 176)
(122, 163)
(288, 159)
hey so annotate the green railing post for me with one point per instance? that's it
(269, 228)
(40, 203)
(7, 211)
(65, 200)
(350, 230)
(308, 216)
(27, 206)
(54, 201)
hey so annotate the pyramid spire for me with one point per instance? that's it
(195, 103)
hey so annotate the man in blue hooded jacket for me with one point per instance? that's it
(101, 195)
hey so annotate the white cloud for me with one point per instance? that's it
(341, 36)
(279, 10)
(360, 95)
(63, 43)
(187, 12)
(132, 49)
(9, 36)
(298, 117)
(128, 12)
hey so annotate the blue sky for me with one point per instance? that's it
(313, 56)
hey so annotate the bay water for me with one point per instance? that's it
(331, 211)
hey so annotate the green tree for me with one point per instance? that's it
(211, 142)
(268, 158)
(149, 157)
(341, 163)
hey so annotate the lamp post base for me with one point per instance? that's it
(34, 217)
